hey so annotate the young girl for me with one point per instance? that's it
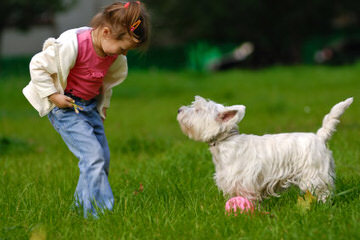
(71, 82)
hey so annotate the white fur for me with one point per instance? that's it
(256, 167)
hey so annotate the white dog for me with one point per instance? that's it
(256, 167)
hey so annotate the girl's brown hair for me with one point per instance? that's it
(120, 17)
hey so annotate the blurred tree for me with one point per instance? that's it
(276, 28)
(23, 14)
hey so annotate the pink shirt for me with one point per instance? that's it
(86, 77)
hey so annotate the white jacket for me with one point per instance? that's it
(50, 68)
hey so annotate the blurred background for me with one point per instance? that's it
(202, 35)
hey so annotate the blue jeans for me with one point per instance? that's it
(84, 135)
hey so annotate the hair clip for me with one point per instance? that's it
(126, 5)
(135, 25)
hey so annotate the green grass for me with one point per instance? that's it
(38, 174)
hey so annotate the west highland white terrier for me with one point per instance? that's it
(256, 167)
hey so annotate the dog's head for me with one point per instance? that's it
(205, 120)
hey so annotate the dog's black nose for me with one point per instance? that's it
(179, 110)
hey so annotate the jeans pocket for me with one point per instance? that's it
(58, 110)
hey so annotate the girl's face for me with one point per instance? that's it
(109, 46)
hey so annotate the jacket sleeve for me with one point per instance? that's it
(115, 75)
(42, 67)
(49, 70)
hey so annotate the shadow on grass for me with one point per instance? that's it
(14, 146)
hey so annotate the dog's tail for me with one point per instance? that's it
(332, 119)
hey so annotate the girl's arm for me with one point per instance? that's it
(44, 70)
(116, 75)
(49, 70)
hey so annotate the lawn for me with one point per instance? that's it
(162, 181)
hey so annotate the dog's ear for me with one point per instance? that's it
(241, 112)
(233, 114)
(226, 115)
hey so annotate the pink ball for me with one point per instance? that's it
(242, 204)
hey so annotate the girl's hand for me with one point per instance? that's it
(61, 100)
(104, 112)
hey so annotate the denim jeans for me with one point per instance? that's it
(84, 135)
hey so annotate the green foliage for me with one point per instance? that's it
(202, 54)
(162, 181)
(278, 29)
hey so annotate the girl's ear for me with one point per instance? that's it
(106, 32)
